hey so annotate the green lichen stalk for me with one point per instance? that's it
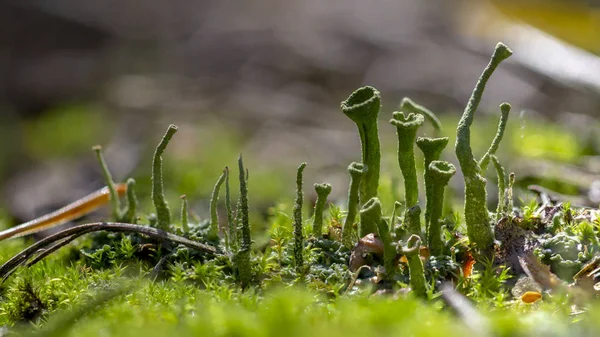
(362, 107)
(500, 211)
(411, 224)
(415, 265)
(132, 202)
(476, 212)
(432, 150)
(297, 220)
(323, 191)
(370, 215)
(230, 238)
(242, 257)
(409, 105)
(184, 214)
(114, 197)
(357, 171)
(214, 199)
(485, 160)
(406, 129)
(440, 173)
(163, 213)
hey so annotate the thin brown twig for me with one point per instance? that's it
(64, 237)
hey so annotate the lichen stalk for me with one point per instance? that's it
(501, 186)
(411, 223)
(406, 130)
(132, 202)
(242, 257)
(476, 212)
(440, 173)
(371, 213)
(230, 238)
(323, 191)
(297, 220)
(362, 107)
(432, 150)
(509, 193)
(163, 213)
(114, 197)
(214, 199)
(184, 214)
(409, 105)
(485, 160)
(415, 265)
(357, 171)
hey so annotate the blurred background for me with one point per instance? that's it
(266, 77)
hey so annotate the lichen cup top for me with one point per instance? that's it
(407, 122)
(432, 147)
(362, 105)
(441, 171)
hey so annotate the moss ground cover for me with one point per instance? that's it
(346, 270)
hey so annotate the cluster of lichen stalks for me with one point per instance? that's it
(403, 238)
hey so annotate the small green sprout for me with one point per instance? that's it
(230, 237)
(362, 107)
(297, 220)
(440, 173)
(114, 197)
(214, 199)
(323, 191)
(131, 205)
(163, 214)
(415, 265)
(476, 212)
(184, 214)
(432, 150)
(242, 257)
(357, 171)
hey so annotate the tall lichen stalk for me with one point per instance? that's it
(371, 213)
(476, 213)
(406, 130)
(163, 214)
(362, 107)
(297, 220)
(242, 256)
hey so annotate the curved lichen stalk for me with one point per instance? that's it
(440, 173)
(114, 197)
(163, 214)
(362, 107)
(500, 173)
(432, 150)
(476, 213)
(485, 160)
(415, 265)
(409, 105)
(357, 171)
(371, 213)
(231, 237)
(323, 191)
(184, 214)
(297, 220)
(242, 257)
(132, 202)
(214, 199)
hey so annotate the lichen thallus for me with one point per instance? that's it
(363, 205)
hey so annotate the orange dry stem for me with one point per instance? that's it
(70, 212)
(468, 265)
